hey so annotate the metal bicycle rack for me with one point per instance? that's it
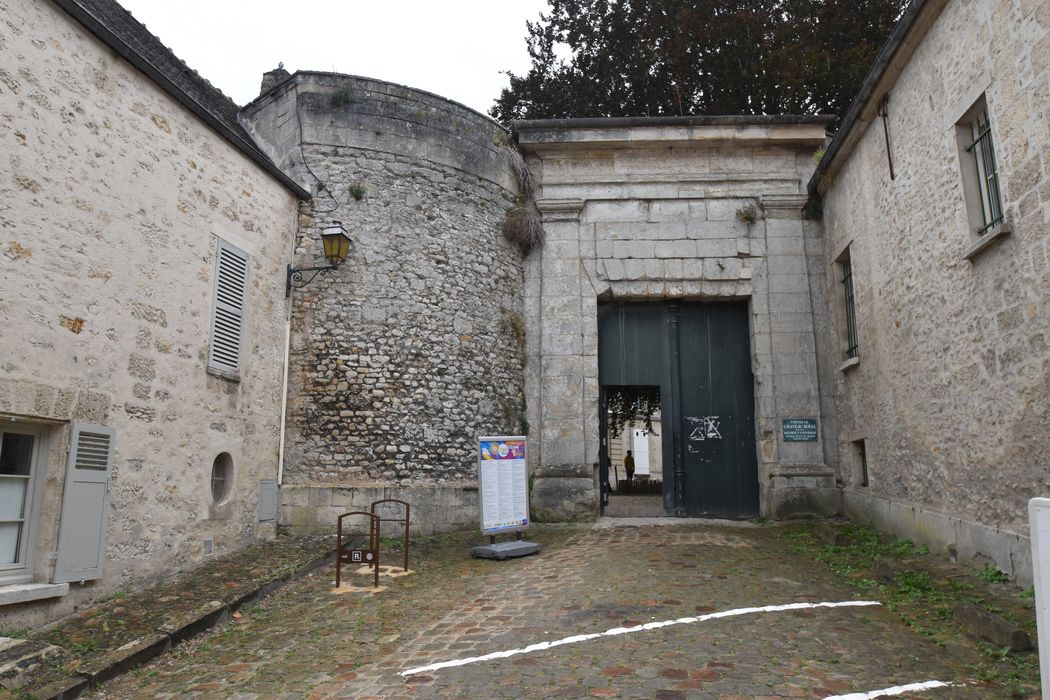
(393, 504)
(353, 547)
(357, 547)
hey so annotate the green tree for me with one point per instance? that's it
(620, 58)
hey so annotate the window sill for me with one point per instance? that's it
(851, 362)
(26, 592)
(986, 240)
(224, 374)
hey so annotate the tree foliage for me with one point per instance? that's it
(627, 404)
(621, 58)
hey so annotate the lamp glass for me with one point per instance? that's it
(336, 243)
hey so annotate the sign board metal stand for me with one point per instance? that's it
(1039, 523)
(503, 487)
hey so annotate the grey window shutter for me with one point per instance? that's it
(227, 315)
(85, 504)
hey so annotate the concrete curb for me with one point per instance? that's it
(168, 635)
(124, 658)
(991, 628)
(65, 689)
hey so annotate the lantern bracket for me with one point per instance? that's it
(297, 279)
(336, 246)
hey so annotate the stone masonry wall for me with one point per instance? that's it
(111, 201)
(414, 346)
(952, 388)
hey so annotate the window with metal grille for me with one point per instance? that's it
(860, 454)
(983, 153)
(980, 175)
(846, 265)
(227, 318)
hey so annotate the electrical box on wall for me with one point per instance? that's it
(267, 500)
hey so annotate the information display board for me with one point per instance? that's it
(503, 483)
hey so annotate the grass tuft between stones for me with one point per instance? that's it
(923, 594)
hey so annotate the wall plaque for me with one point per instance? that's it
(800, 430)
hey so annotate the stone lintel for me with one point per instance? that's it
(769, 471)
(560, 209)
(783, 206)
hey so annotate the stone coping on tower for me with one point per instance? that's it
(333, 109)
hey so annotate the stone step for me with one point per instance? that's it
(20, 659)
(991, 628)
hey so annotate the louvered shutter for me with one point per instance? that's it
(85, 505)
(227, 316)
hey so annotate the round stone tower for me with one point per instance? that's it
(406, 352)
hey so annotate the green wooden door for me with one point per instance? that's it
(699, 355)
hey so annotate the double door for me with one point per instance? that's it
(698, 356)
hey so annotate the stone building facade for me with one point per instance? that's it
(116, 192)
(944, 420)
(134, 194)
(413, 347)
(676, 210)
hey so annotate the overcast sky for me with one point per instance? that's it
(455, 48)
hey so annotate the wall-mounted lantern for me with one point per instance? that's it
(336, 246)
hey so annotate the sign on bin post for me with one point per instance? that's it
(1039, 522)
(503, 485)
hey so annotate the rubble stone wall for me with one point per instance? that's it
(412, 348)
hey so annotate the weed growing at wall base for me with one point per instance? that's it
(993, 575)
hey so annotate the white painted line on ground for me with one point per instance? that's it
(615, 631)
(886, 692)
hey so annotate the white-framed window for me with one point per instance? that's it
(20, 449)
(227, 314)
(980, 175)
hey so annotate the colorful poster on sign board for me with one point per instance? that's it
(504, 483)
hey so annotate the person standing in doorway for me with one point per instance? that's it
(628, 466)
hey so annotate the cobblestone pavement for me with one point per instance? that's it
(310, 642)
(635, 506)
